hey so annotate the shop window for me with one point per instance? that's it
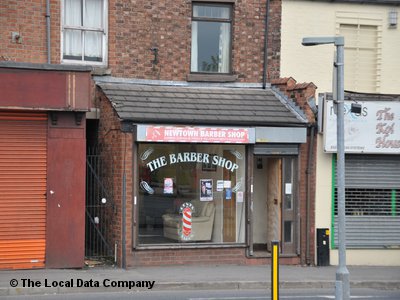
(84, 31)
(211, 38)
(288, 231)
(191, 193)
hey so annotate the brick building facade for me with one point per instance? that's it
(145, 45)
(167, 26)
(43, 142)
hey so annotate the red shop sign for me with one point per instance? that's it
(197, 134)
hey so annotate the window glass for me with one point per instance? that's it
(287, 231)
(73, 12)
(72, 44)
(191, 193)
(216, 12)
(84, 32)
(211, 39)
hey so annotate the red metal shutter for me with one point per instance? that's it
(23, 165)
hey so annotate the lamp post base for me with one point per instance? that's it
(342, 284)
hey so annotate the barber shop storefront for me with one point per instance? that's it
(211, 193)
(192, 192)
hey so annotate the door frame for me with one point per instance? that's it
(251, 157)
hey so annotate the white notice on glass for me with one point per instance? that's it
(288, 188)
(220, 185)
(227, 184)
(239, 197)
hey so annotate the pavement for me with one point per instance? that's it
(228, 277)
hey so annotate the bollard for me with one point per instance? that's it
(275, 271)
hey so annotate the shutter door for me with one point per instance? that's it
(372, 201)
(368, 171)
(23, 165)
(276, 149)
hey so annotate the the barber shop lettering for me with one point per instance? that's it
(192, 157)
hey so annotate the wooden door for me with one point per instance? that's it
(229, 225)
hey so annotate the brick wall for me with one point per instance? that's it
(213, 256)
(116, 153)
(136, 26)
(301, 93)
(28, 18)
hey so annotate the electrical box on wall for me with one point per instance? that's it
(16, 37)
(323, 247)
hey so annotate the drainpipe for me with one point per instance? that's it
(266, 46)
(123, 229)
(308, 192)
(48, 30)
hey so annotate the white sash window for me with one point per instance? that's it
(84, 31)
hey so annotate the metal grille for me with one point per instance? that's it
(372, 201)
(372, 218)
(100, 208)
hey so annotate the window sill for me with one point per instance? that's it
(217, 1)
(84, 63)
(188, 246)
(101, 71)
(212, 77)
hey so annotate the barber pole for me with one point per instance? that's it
(186, 209)
(187, 221)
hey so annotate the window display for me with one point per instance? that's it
(191, 193)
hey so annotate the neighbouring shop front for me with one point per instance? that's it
(42, 165)
(200, 188)
(372, 178)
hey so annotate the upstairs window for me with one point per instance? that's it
(362, 50)
(361, 57)
(84, 31)
(211, 38)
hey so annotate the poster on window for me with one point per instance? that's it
(206, 189)
(168, 186)
(228, 194)
(220, 185)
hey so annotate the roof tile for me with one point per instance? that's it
(177, 104)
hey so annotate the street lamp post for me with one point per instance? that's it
(342, 285)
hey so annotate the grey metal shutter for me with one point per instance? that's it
(276, 149)
(378, 171)
(372, 185)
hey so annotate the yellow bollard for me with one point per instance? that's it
(275, 271)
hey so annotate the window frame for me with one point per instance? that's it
(206, 174)
(229, 4)
(103, 30)
(364, 19)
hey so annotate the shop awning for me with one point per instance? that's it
(202, 105)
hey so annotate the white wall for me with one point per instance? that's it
(260, 203)
(315, 64)
(310, 18)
